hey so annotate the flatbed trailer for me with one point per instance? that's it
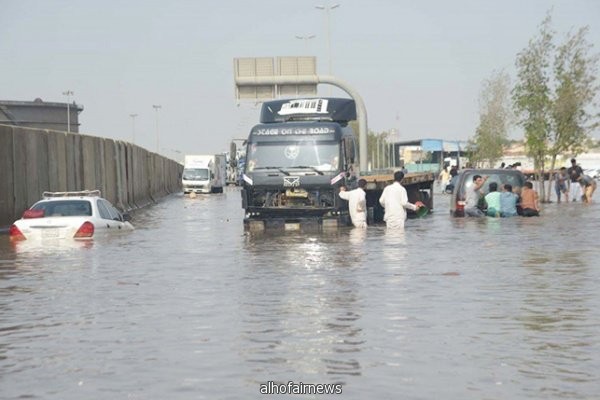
(419, 187)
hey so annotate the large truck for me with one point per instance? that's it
(204, 173)
(298, 157)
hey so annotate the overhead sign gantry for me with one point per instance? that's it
(266, 78)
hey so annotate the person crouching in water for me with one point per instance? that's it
(357, 203)
(529, 201)
(395, 199)
(588, 185)
(508, 202)
(492, 199)
(472, 197)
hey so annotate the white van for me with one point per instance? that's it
(204, 174)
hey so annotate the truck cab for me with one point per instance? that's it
(296, 159)
(197, 174)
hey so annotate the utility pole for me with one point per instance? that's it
(68, 93)
(327, 10)
(133, 127)
(156, 108)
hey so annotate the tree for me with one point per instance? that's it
(575, 72)
(532, 95)
(495, 118)
(379, 149)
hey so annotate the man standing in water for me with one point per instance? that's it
(395, 199)
(357, 203)
(575, 173)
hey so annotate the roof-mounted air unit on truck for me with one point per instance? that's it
(325, 109)
(296, 159)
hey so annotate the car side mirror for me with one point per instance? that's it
(126, 217)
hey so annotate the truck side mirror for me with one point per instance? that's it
(350, 151)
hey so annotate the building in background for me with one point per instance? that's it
(429, 155)
(40, 114)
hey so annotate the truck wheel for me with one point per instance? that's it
(425, 198)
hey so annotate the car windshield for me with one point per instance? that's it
(311, 154)
(64, 208)
(195, 174)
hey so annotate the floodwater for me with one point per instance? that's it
(188, 306)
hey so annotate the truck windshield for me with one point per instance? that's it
(195, 174)
(321, 156)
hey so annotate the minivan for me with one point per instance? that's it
(464, 181)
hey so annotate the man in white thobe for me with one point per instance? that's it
(394, 199)
(357, 203)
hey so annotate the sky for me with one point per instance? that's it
(418, 65)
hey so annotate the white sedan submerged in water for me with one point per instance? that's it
(70, 215)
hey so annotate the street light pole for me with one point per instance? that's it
(157, 107)
(68, 93)
(133, 127)
(328, 21)
(306, 38)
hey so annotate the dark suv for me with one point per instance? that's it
(464, 180)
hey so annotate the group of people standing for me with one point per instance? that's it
(394, 200)
(446, 175)
(574, 183)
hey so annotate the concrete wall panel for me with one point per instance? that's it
(57, 162)
(7, 164)
(74, 163)
(43, 183)
(20, 170)
(89, 163)
(111, 182)
(61, 155)
(36, 145)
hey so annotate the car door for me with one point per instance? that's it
(107, 217)
(117, 217)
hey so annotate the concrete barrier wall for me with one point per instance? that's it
(35, 160)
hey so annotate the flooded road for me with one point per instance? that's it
(188, 306)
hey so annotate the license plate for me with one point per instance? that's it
(50, 233)
(292, 226)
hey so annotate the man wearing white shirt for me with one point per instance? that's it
(357, 203)
(395, 199)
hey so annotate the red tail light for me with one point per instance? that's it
(15, 233)
(86, 230)
(33, 214)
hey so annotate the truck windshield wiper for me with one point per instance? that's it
(308, 167)
(277, 168)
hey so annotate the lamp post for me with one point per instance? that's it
(327, 12)
(306, 38)
(68, 93)
(133, 127)
(157, 107)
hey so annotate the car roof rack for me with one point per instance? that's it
(80, 193)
